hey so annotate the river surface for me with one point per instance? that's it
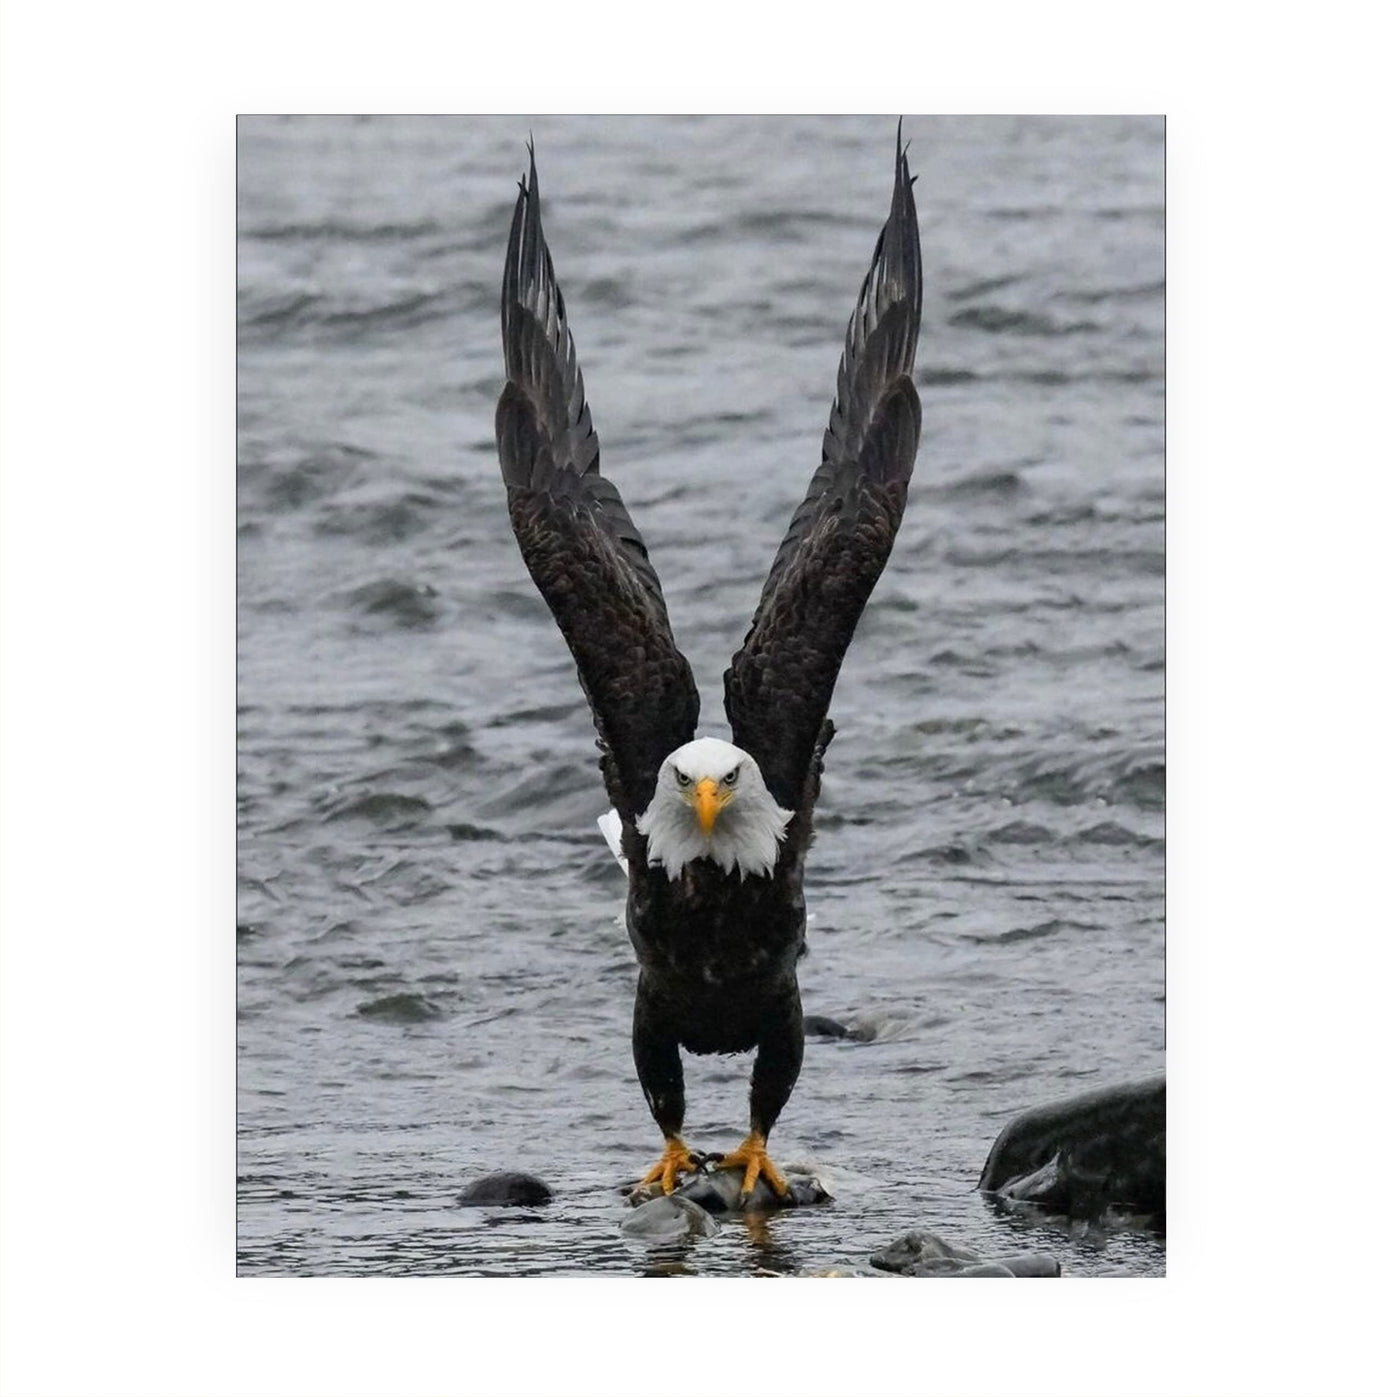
(432, 981)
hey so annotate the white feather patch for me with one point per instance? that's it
(611, 825)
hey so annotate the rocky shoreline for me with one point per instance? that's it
(1098, 1158)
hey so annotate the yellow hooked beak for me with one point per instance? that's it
(708, 800)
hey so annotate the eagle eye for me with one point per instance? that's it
(732, 777)
(682, 780)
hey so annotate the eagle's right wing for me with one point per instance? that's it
(575, 535)
(777, 689)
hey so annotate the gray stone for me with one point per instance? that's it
(923, 1253)
(921, 1248)
(668, 1219)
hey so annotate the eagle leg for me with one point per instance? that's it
(657, 1056)
(775, 1071)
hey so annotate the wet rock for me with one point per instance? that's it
(717, 1191)
(504, 1189)
(399, 1009)
(1100, 1157)
(927, 1254)
(668, 1219)
(820, 1026)
(916, 1248)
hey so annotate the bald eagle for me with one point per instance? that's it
(714, 833)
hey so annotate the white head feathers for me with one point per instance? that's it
(711, 802)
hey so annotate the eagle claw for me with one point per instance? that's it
(676, 1158)
(752, 1158)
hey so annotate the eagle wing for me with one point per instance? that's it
(578, 541)
(779, 684)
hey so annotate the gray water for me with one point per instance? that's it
(432, 982)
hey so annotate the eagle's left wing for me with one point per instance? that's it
(777, 690)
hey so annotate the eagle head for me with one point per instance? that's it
(711, 803)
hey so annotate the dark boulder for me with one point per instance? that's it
(1098, 1157)
(504, 1189)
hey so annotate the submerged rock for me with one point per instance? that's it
(668, 1219)
(1100, 1156)
(504, 1189)
(399, 1009)
(927, 1254)
(820, 1026)
(717, 1191)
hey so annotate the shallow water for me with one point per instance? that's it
(432, 981)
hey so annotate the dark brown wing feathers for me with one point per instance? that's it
(591, 565)
(779, 685)
(578, 541)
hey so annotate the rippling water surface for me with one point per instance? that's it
(432, 981)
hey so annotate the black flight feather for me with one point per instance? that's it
(779, 685)
(578, 541)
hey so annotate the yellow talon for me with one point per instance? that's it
(752, 1158)
(675, 1159)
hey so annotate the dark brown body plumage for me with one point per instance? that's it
(717, 952)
